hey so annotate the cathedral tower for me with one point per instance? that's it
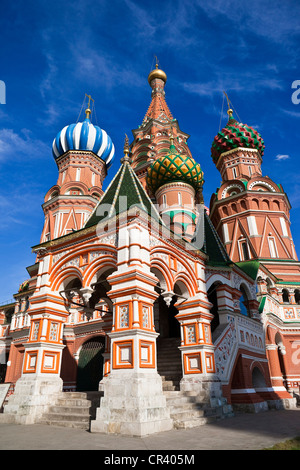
(83, 152)
(163, 162)
(249, 210)
(152, 137)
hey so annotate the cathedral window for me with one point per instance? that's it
(243, 250)
(54, 194)
(74, 192)
(285, 296)
(78, 174)
(297, 296)
(244, 302)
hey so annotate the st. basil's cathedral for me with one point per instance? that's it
(146, 310)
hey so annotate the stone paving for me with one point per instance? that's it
(242, 432)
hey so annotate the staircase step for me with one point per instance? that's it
(185, 415)
(76, 410)
(69, 424)
(72, 409)
(81, 395)
(191, 423)
(73, 402)
(66, 417)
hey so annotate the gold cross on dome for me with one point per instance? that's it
(88, 110)
(229, 111)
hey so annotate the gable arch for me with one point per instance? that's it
(62, 278)
(163, 274)
(217, 279)
(184, 284)
(104, 265)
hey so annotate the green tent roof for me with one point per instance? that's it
(125, 191)
(207, 240)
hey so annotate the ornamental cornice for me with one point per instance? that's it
(263, 183)
(233, 185)
(61, 240)
(238, 149)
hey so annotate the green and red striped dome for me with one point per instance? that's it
(235, 135)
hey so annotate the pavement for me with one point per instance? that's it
(241, 432)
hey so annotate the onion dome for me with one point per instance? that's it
(236, 135)
(84, 136)
(157, 73)
(172, 168)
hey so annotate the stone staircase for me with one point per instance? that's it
(73, 409)
(186, 409)
(77, 409)
(187, 412)
(169, 362)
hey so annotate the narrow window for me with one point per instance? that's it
(179, 199)
(245, 251)
(78, 174)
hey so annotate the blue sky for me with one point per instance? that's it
(52, 53)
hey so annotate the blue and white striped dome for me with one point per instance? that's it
(84, 136)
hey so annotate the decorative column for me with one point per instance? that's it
(133, 401)
(197, 350)
(275, 371)
(36, 390)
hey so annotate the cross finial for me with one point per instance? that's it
(88, 110)
(126, 150)
(229, 111)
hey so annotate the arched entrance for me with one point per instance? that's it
(164, 316)
(213, 299)
(258, 379)
(90, 365)
(168, 355)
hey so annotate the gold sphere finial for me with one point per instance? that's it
(126, 150)
(230, 113)
(157, 73)
(88, 111)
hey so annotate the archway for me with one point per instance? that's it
(213, 299)
(244, 302)
(164, 317)
(90, 365)
(166, 324)
(258, 379)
